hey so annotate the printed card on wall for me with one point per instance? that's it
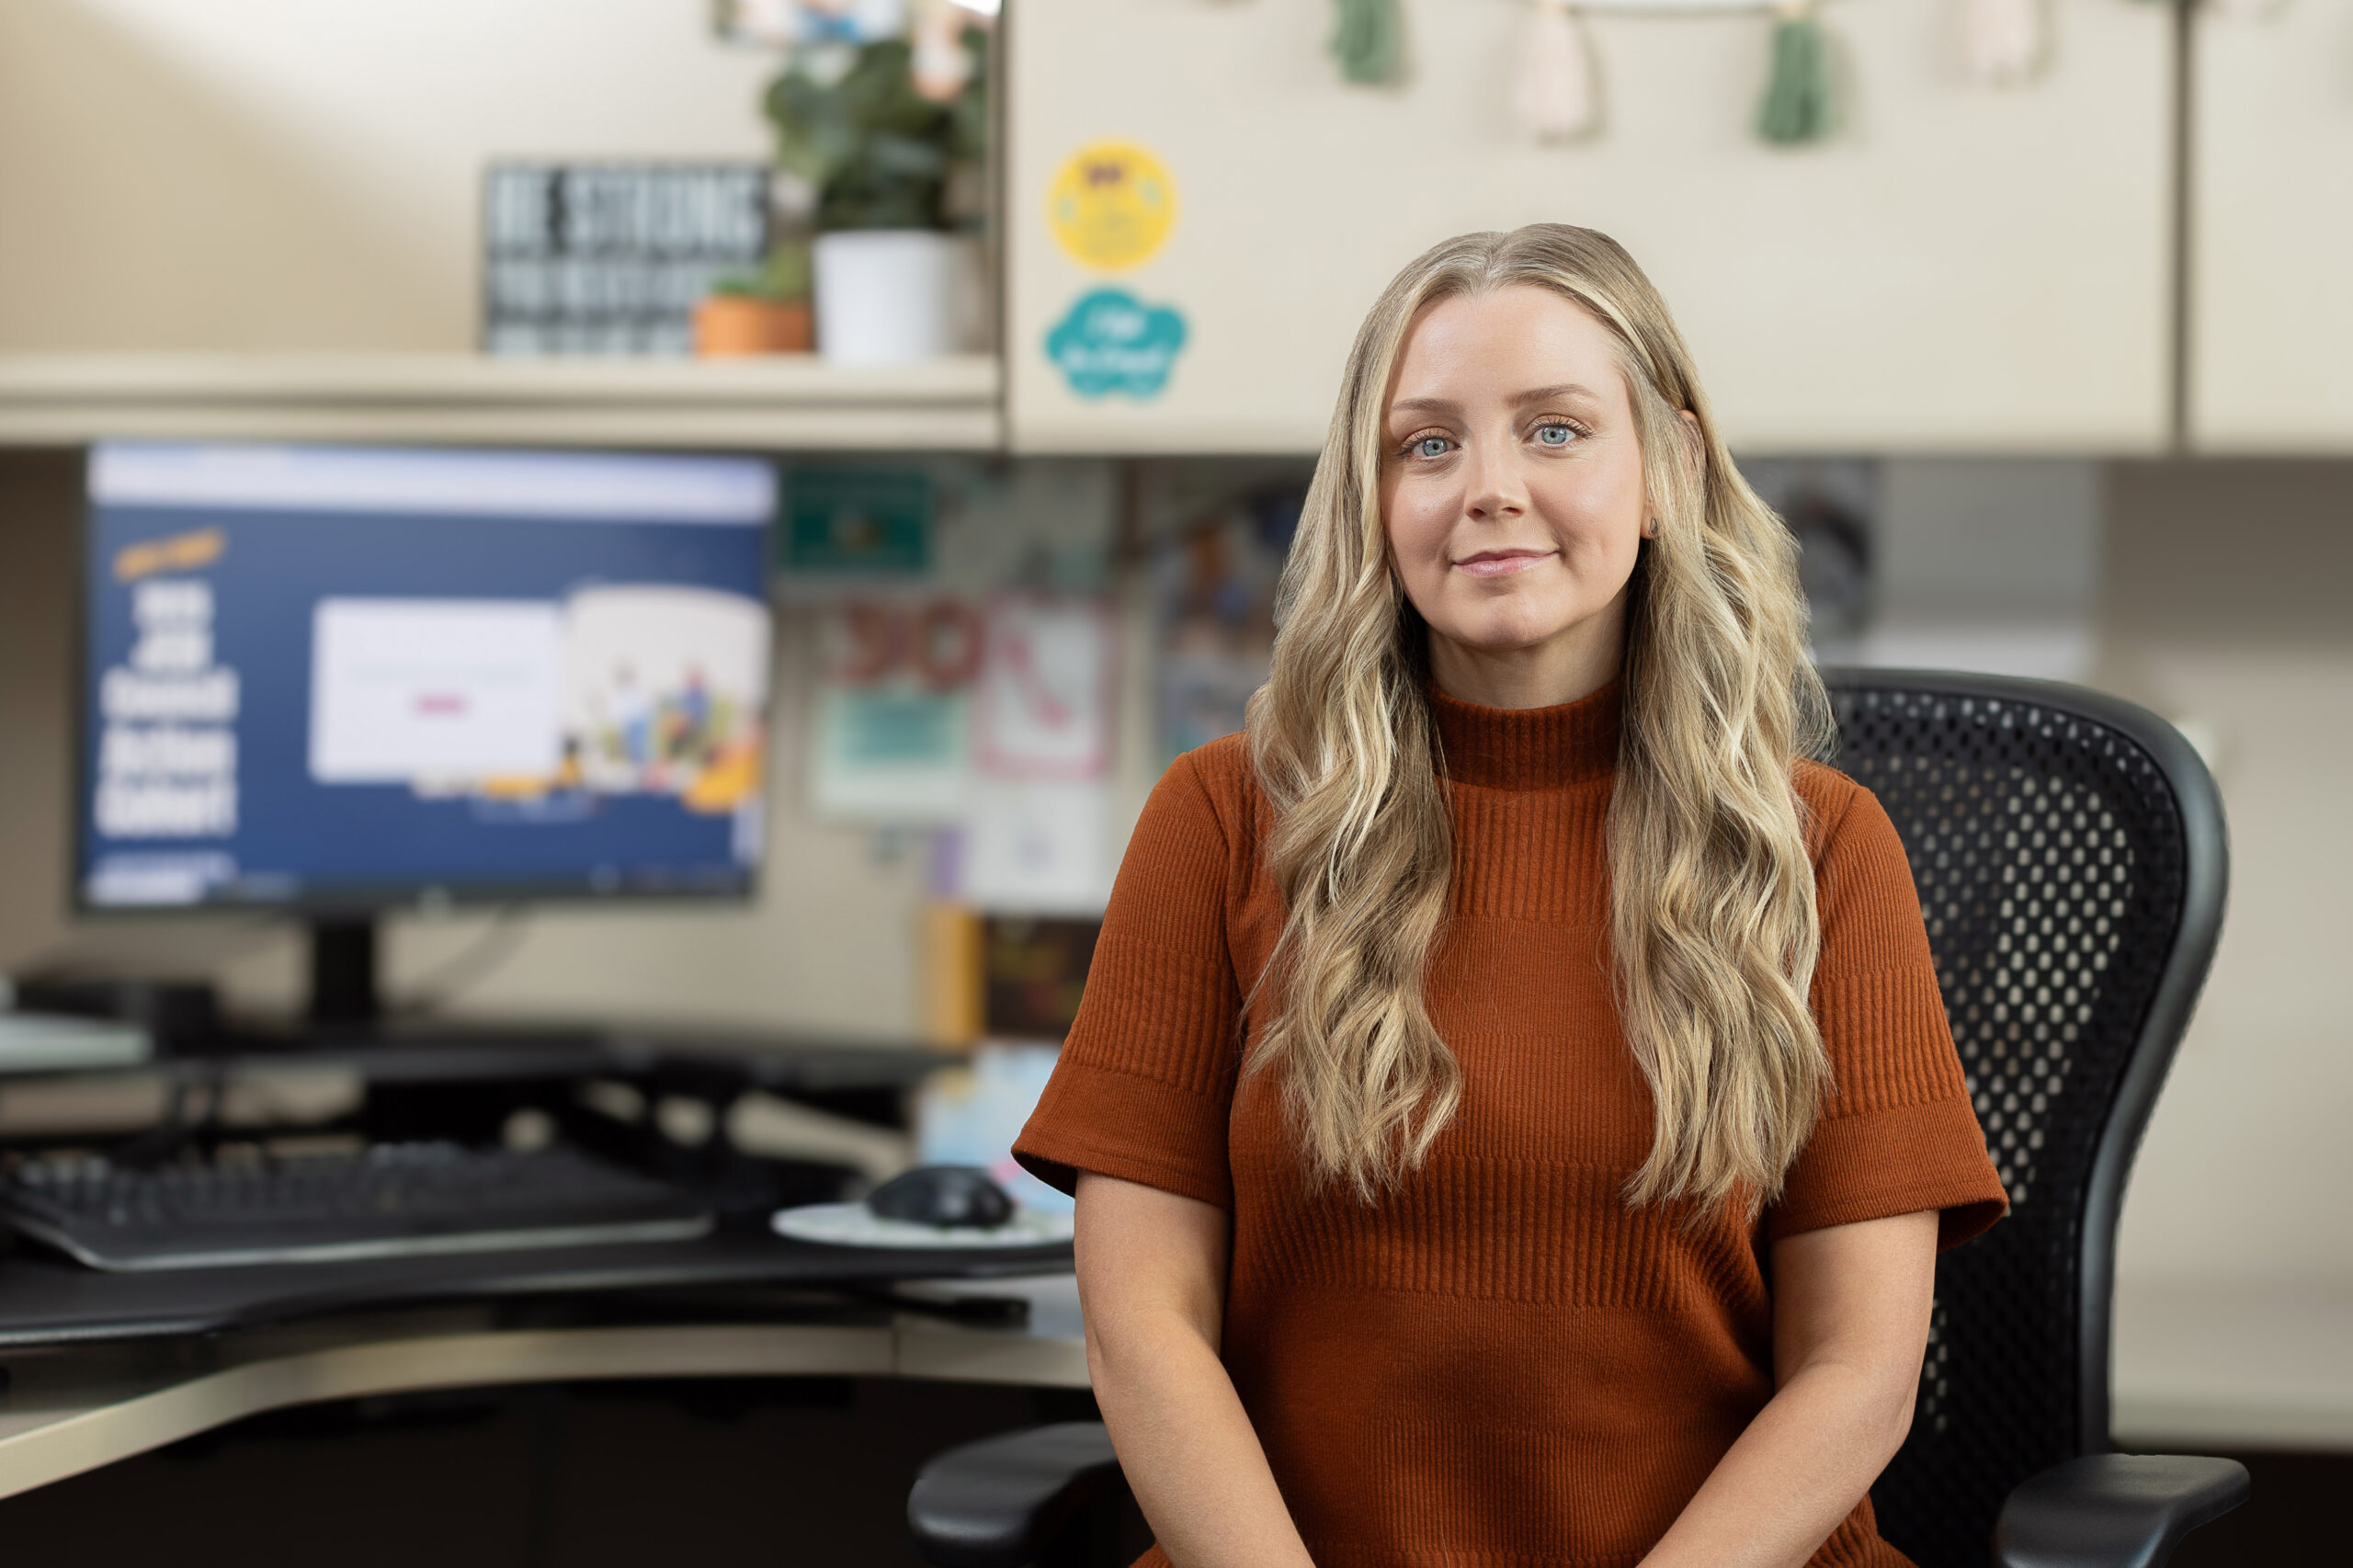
(892, 727)
(1044, 702)
(1039, 847)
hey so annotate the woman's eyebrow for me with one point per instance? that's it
(1518, 400)
(1549, 394)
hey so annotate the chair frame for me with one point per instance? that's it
(2205, 890)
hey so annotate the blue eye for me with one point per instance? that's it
(1553, 435)
(1430, 447)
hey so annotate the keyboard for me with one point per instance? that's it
(382, 1200)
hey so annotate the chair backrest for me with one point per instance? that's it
(2071, 861)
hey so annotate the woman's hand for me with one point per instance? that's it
(1851, 1324)
(1152, 1282)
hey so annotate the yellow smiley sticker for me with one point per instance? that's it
(1111, 205)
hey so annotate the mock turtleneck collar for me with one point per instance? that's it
(1529, 748)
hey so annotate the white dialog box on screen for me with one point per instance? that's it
(440, 690)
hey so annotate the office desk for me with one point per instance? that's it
(100, 1367)
(74, 1407)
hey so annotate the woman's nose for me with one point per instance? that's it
(1496, 490)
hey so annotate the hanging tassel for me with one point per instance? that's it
(1364, 41)
(1552, 97)
(1796, 100)
(2003, 42)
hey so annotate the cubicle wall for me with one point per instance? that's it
(289, 174)
(1959, 268)
(2271, 222)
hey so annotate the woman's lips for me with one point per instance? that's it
(1501, 563)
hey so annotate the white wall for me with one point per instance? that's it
(304, 174)
(2225, 602)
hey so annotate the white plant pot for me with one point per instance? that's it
(886, 296)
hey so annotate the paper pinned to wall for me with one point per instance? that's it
(889, 755)
(1045, 689)
(891, 729)
(1036, 847)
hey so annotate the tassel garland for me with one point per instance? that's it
(2003, 42)
(1364, 41)
(1552, 97)
(1797, 98)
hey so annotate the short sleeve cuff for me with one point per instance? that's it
(1137, 1129)
(1876, 1165)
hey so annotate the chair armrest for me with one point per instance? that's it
(2114, 1510)
(999, 1503)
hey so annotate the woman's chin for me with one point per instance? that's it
(1502, 636)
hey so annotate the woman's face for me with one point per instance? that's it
(1512, 494)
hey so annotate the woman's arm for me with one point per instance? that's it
(1851, 1324)
(1151, 1283)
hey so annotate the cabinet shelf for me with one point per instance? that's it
(785, 401)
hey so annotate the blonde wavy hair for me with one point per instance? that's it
(1712, 916)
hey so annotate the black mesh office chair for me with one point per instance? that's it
(2071, 860)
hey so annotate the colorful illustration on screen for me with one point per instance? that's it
(623, 690)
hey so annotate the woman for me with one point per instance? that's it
(1512, 1114)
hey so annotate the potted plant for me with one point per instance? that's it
(758, 313)
(887, 144)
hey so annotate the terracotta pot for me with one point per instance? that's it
(732, 323)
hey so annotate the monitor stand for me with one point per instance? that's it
(343, 973)
(347, 1010)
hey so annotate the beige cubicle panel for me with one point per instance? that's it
(1961, 267)
(2270, 364)
(273, 177)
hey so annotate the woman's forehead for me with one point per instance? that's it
(1504, 344)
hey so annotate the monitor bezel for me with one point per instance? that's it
(368, 901)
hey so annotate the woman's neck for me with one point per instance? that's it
(1573, 664)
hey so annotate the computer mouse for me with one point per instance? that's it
(943, 1195)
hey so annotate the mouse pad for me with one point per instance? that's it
(856, 1225)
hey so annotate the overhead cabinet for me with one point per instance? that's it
(2271, 222)
(1957, 268)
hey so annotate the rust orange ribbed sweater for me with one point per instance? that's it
(1500, 1365)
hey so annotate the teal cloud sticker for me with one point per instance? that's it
(1113, 342)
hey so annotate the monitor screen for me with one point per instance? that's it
(344, 678)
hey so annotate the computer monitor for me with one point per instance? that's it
(336, 680)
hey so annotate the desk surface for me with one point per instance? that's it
(72, 1409)
(48, 1301)
(460, 1054)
